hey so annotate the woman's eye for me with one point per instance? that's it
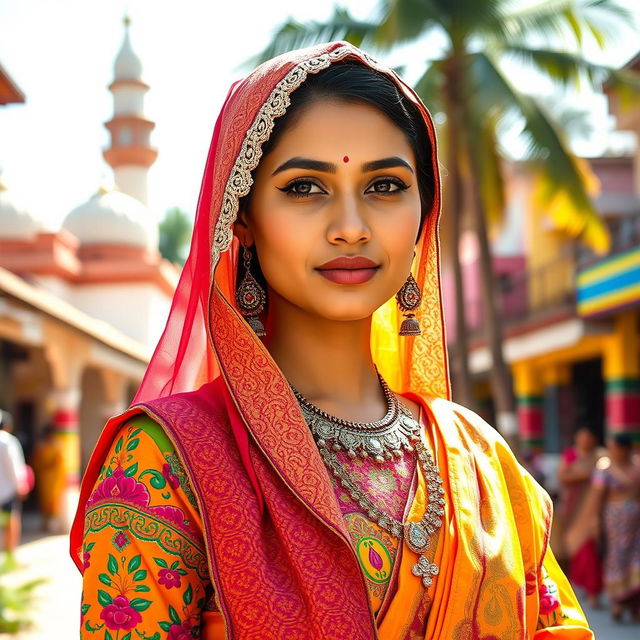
(387, 185)
(302, 189)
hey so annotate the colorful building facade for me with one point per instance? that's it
(571, 317)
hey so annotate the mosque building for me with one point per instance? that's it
(81, 308)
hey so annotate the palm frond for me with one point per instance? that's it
(572, 121)
(403, 21)
(296, 35)
(558, 18)
(464, 18)
(565, 68)
(563, 211)
(564, 175)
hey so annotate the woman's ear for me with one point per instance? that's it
(242, 231)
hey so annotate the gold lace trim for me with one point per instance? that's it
(240, 180)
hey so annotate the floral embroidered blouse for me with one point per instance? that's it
(145, 566)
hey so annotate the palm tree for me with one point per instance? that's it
(468, 83)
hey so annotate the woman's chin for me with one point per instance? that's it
(340, 304)
(346, 313)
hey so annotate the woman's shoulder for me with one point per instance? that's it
(142, 550)
(141, 471)
(142, 457)
(143, 425)
(139, 439)
(465, 433)
(208, 400)
(151, 427)
(456, 420)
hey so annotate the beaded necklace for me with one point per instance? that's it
(380, 440)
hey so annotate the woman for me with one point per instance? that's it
(247, 509)
(577, 465)
(617, 486)
(48, 465)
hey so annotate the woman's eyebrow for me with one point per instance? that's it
(306, 163)
(328, 167)
(386, 163)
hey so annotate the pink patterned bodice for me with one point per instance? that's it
(388, 486)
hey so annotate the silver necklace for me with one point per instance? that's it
(416, 534)
(380, 440)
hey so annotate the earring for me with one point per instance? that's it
(250, 297)
(409, 298)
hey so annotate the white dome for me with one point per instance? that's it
(127, 65)
(114, 218)
(15, 222)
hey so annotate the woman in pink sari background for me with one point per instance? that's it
(577, 466)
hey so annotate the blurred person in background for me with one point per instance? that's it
(13, 487)
(617, 485)
(48, 465)
(253, 490)
(577, 465)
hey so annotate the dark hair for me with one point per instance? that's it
(354, 82)
(623, 440)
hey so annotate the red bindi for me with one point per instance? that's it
(345, 159)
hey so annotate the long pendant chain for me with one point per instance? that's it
(416, 534)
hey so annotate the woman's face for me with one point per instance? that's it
(585, 440)
(339, 185)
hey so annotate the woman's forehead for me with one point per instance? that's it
(336, 129)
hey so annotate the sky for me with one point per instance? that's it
(61, 53)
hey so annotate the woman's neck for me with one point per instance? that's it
(329, 362)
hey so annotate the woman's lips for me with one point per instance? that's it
(346, 270)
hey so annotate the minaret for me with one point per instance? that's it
(130, 154)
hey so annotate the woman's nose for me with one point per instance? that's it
(348, 223)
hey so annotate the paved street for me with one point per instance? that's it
(605, 629)
(56, 610)
(57, 606)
